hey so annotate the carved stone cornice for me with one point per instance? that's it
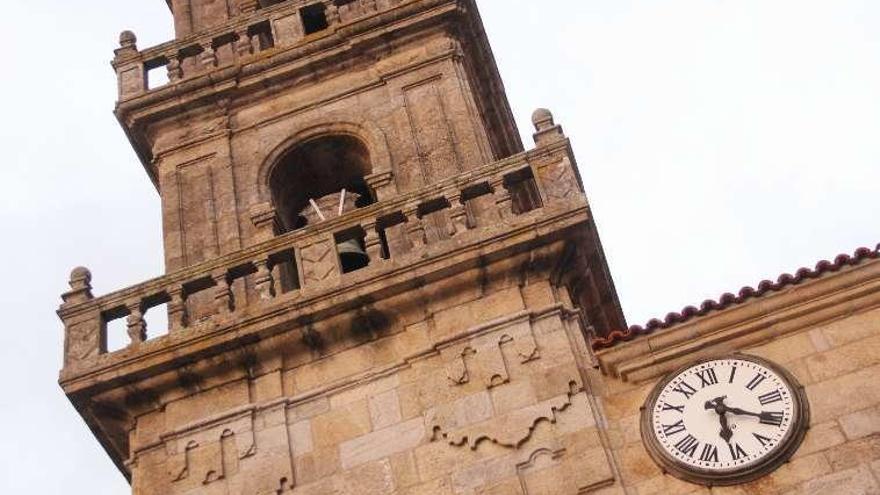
(832, 296)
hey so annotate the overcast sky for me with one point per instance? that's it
(721, 142)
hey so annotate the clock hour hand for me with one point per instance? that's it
(718, 406)
(726, 433)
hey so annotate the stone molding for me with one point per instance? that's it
(358, 380)
(833, 296)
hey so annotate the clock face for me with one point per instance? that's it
(724, 420)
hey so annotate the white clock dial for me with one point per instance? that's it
(723, 416)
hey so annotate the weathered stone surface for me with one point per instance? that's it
(862, 423)
(857, 481)
(430, 336)
(382, 443)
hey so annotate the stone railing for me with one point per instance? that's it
(445, 216)
(241, 39)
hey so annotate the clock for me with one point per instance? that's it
(723, 421)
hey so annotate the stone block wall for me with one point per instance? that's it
(473, 384)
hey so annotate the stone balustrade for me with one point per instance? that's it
(256, 31)
(464, 210)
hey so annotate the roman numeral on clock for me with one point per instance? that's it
(710, 453)
(669, 407)
(761, 438)
(753, 384)
(685, 389)
(688, 445)
(732, 374)
(770, 397)
(707, 377)
(771, 418)
(674, 428)
(737, 452)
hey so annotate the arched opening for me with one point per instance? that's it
(320, 179)
(312, 174)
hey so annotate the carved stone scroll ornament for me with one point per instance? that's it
(511, 430)
(484, 358)
(200, 455)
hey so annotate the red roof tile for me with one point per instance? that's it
(727, 300)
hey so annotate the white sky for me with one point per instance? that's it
(721, 142)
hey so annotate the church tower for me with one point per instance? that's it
(371, 287)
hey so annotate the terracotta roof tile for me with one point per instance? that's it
(727, 300)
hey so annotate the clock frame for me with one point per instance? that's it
(709, 477)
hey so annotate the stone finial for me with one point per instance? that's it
(80, 277)
(80, 286)
(542, 119)
(127, 49)
(127, 39)
(546, 129)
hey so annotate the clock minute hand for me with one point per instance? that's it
(741, 412)
(764, 416)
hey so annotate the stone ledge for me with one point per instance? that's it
(815, 302)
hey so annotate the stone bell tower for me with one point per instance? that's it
(371, 287)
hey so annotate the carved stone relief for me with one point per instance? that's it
(231, 452)
(486, 358)
(558, 182)
(554, 443)
(318, 262)
(83, 342)
(206, 455)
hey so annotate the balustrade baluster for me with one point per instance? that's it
(176, 309)
(208, 58)
(174, 69)
(332, 13)
(222, 293)
(415, 229)
(137, 326)
(503, 201)
(243, 45)
(248, 6)
(264, 282)
(458, 222)
(372, 242)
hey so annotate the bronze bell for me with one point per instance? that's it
(352, 255)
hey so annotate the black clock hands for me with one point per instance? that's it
(722, 409)
(738, 411)
(718, 406)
